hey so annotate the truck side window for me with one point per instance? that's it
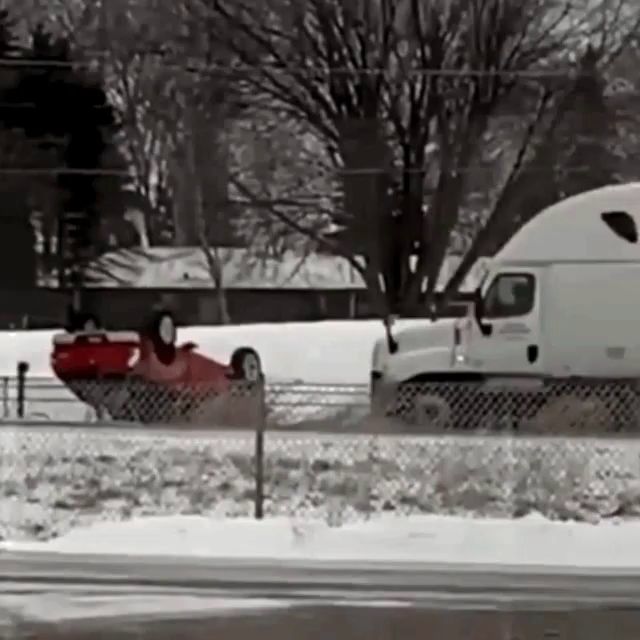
(510, 295)
(622, 224)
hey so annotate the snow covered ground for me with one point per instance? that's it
(533, 541)
(333, 352)
(435, 498)
(53, 480)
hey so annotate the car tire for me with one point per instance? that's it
(162, 331)
(85, 322)
(246, 365)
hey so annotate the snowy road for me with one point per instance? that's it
(69, 578)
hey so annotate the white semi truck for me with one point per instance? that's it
(560, 301)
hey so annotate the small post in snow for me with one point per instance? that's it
(259, 455)
(23, 368)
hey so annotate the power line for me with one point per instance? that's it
(235, 69)
(337, 170)
(17, 106)
(30, 171)
(57, 171)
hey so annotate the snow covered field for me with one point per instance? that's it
(55, 482)
(333, 352)
(53, 479)
(535, 542)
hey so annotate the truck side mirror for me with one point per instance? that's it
(485, 329)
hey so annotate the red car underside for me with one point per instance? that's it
(120, 372)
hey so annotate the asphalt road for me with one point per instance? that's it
(25, 576)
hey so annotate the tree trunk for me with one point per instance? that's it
(210, 253)
(215, 270)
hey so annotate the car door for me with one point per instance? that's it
(511, 312)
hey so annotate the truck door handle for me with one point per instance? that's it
(532, 353)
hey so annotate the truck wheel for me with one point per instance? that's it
(246, 365)
(431, 410)
(622, 402)
(421, 408)
(571, 414)
(443, 404)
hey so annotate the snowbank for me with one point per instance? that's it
(526, 542)
(336, 352)
(74, 606)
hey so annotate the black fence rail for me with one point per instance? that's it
(528, 406)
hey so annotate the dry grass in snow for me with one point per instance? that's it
(54, 479)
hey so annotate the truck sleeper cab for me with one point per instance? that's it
(559, 307)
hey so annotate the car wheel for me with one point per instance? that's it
(90, 323)
(85, 322)
(246, 365)
(166, 329)
(163, 335)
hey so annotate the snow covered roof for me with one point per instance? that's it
(186, 268)
(176, 268)
(574, 230)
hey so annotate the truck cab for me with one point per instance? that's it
(501, 334)
(560, 300)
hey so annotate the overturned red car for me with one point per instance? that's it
(145, 376)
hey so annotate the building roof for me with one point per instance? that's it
(186, 268)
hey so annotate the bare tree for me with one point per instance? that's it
(155, 57)
(402, 95)
(124, 39)
(200, 162)
(279, 172)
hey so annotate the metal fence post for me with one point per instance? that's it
(100, 408)
(5, 396)
(23, 368)
(259, 454)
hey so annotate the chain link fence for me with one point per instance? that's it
(529, 405)
(566, 451)
(238, 405)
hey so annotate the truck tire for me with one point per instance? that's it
(621, 400)
(440, 402)
(432, 411)
(571, 414)
(422, 410)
